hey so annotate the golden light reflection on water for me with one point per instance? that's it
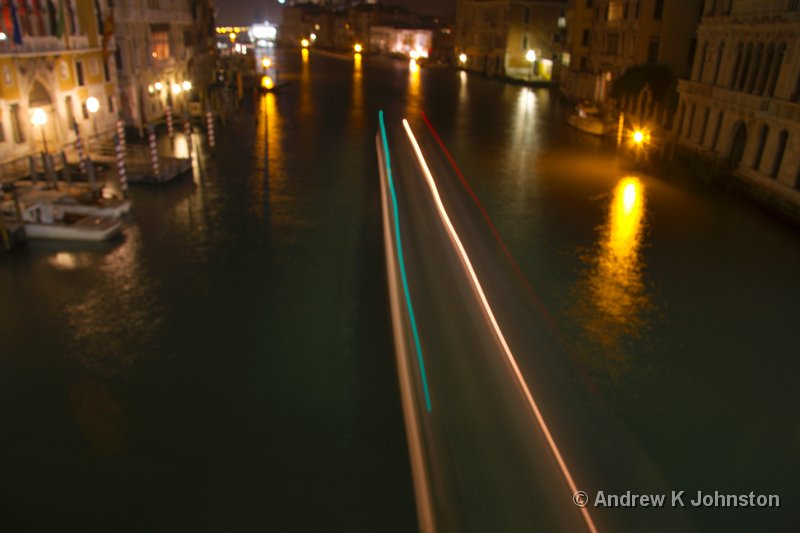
(615, 288)
(356, 112)
(414, 103)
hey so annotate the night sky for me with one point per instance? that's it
(248, 11)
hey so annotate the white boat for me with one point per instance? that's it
(588, 118)
(41, 223)
(64, 203)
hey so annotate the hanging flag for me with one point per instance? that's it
(51, 17)
(15, 22)
(100, 29)
(107, 34)
(61, 24)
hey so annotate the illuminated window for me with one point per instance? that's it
(159, 46)
(615, 11)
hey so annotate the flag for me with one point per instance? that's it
(60, 25)
(100, 29)
(15, 22)
(108, 32)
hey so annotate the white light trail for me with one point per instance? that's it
(495, 326)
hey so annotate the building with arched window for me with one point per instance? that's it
(744, 93)
(54, 57)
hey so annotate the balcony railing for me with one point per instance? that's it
(43, 44)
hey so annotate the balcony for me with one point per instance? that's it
(43, 45)
(763, 7)
(748, 103)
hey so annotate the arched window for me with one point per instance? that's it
(681, 113)
(775, 71)
(701, 66)
(714, 141)
(779, 152)
(703, 127)
(738, 144)
(763, 75)
(745, 67)
(736, 66)
(755, 68)
(718, 64)
(690, 122)
(762, 141)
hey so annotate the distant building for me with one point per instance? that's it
(635, 32)
(578, 81)
(742, 100)
(516, 38)
(54, 60)
(414, 42)
(156, 40)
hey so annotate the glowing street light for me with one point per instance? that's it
(176, 89)
(266, 62)
(304, 43)
(267, 84)
(187, 85)
(93, 106)
(462, 58)
(313, 36)
(530, 56)
(357, 48)
(39, 118)
(159, 86)
(638, 137)
(232, 37)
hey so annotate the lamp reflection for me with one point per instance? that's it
(615, 285)
(414, 104)
(356, 114)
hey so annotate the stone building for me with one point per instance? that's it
(515, 38)
(156, 40)
(741, 103)
(577, 79)
(635, 32)
(52, 62)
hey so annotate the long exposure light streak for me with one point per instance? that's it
(401, 260)
(493, 321)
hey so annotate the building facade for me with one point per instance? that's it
(516, 38)
(52, 62)
(577, 79)
(156, 40)
(635, 32)
(741, 103)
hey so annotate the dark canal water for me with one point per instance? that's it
(228, 365)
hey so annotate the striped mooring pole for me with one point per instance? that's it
(122, 172)
(210, 127)
(151, 134)
(79, 148)
(121, 135)
(170, 127)
(187, 130)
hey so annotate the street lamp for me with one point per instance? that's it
(93, 106)
(530, 56)
(357, 48)
(304, 43)
(462, 58)
(176, 89)
(187, 86)
(39, 118)
(159, 86)
(266, 63)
